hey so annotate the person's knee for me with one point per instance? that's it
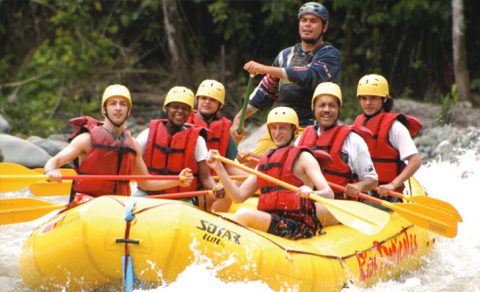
(243, 216)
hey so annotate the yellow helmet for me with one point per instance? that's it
(179, 94)
(283, 114)
(213, 89)
(116, 90)
(373, 84)
(328, 88)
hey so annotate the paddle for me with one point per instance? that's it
(358, 216)
(19, 210)
(245, 104)
(46, 188)
(24, 209)
(427, 218)
(429, 202)
(22, 177)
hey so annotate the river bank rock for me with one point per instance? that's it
(51, 146)
(20, 151)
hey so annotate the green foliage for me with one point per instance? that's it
(55, 65)
(447, 101)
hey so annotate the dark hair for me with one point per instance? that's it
(388, 105)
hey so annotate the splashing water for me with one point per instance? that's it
(454, 264)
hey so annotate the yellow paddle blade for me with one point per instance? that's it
(24, 209)
(358, 216)
(46, 189)
(436, 204)
(427, 218)
(417, 194)
(14, 177)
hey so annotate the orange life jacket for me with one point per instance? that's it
(218, 132)
(331, 141)
(385, 157)
(167, 154)
(279, 163)
(107, 156)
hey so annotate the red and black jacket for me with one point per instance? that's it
(168, 154)
(385, 157)
(279, 163)
(331, 141)
(109, 155)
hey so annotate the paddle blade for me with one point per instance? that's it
(425, 217)
(24, 209)
(361, 217)
(14, 177)
(47, 189)
(438, 205)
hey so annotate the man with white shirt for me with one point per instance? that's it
(351, 164)
(393, 132)
(169, 145)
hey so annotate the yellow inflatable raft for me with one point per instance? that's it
(82, 248)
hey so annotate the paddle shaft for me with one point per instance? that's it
(244, 105)
(39, 177)
(183, 195)
(257, 173)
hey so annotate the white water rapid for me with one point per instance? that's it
(453, 266)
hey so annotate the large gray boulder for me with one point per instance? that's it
(51, 146)
(22, 152)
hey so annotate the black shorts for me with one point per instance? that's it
(290, 228)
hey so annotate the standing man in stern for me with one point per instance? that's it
(295, 72)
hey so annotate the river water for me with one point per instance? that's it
(453, 266)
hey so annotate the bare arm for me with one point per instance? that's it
(80, 145)
(204, 176)
(365, 185)
(237, 193)
(414, 163)
(307, 168)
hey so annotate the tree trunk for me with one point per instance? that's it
(185, 59)
(462, 76)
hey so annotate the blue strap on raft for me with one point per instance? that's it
(127, 261)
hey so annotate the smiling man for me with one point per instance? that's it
(393, 150)
(295, 72)
(169, 145)
(351, 164)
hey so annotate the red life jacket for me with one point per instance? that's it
(331, 141)
(218, 132)
(107, 156)
(279, 163)
(167, 154)
(385, 157)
